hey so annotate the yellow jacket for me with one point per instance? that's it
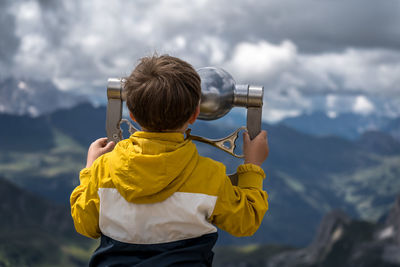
(155, 188)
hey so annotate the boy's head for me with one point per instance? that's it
(162, 92)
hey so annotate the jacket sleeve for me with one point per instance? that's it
(240, 209)
(85, 205)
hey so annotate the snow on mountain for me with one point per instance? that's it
(34, 97)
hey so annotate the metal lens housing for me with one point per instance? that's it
(217, 93)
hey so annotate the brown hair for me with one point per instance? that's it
(162, 92)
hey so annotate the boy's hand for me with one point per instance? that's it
(98, 148)
(256, 150)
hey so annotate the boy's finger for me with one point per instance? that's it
(262, 134)
(110, 146)
(101, 142)
(98, 141)
(246, 137)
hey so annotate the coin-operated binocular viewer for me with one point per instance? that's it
(219, 94)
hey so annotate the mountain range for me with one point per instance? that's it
(36, 232)
(316, 166)
(35, 97)
(348, 125)
(307, 176)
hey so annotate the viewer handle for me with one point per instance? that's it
(254, 121)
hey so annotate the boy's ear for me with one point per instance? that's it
(131, 115)
(195, 115)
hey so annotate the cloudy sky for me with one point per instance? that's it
(330, 55)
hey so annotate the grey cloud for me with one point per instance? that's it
(317, 26)
(56, 20)
(50, 4)
(81, 43)
(314, 26)
(9, 42)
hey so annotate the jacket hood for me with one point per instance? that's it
(149, 167)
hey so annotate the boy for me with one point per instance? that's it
(153, 200)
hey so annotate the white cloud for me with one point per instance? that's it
(211, 48)
(29, 11)
(362, 105)
(261, 61)
(331, 101)
(275, 115)
(374, 71)
(331, 114)
(292, 79)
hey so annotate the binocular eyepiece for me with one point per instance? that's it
(219, 94)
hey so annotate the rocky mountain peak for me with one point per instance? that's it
(392, 229)
(34, 97)
(330, 228)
